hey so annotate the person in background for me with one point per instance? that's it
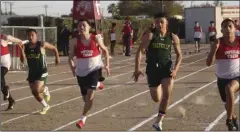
(113, 36)
(64, 40)
(127, 35)
(197, 36)
(237, 28)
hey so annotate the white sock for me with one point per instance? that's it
(83, 118)
(46, 91)
(98, 84)
(44, 103)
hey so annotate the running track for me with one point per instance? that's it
(123, 105)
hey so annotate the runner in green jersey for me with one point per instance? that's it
(34, 54)
(159, 69)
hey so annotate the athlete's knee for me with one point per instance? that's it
(154, 94)
(35, 92)
(229, 89)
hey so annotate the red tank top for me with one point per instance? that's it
(87, 51)
(228, 52)
(211, 29)
(197, 29)
(4, 50)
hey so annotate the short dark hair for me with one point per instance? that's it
(160, 15)
(84, 19)
(196, 22)
(226, 21)
(211, 22)
(31, 30)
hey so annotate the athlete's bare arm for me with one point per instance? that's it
(48, 46)
(22, 54)
(99, 41)
(10, 38)
(72, 54)
(145, 42)
(177, 48)
(212, 55)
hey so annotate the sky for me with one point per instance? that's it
(57, 8)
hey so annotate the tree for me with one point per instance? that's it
(150, 7)
(218, 3)
(113, 9)
(204, 5)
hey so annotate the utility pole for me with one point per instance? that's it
(11, 5)
(46, 7)
(6, 7)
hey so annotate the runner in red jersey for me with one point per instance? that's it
(226, 50)
(212, 32)
(5, 66)
(85, 47)
(197, 36)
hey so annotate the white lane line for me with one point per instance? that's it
(214, 123)
(106, 108)
(4, 122)
(172, 105)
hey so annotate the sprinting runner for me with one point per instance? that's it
(226, 50)
(5, 66)
(160, 70)
(34, 54)
(237, 27)
(197, 36)
(88, 62)
(212, 32)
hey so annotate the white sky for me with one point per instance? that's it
(57, 8)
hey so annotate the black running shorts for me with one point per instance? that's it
(212, 38)
(156, 72)
(88, 82)
(222, 83)
(37, 77)
(197, 39)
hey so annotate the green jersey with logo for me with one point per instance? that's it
(159, 49)
(36, 60)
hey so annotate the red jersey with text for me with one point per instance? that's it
(212, 31)
(88, 57)
(227, 60)
(5, 55)
(197, 32)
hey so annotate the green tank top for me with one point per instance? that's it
(159, 49)
(36, 60)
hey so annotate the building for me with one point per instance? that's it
(204, 15)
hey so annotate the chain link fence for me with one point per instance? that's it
(48, 34)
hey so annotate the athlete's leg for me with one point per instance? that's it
(231, 88)
(196, 44)
(37, 88)
(167, 85)
(5, 89)
(46, 92)
(227, 88)
(88, 85)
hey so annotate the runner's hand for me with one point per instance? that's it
(174, 74)
(20, 45)
(73, 71)
(108, 70)
(136, 74)
(57, 61)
